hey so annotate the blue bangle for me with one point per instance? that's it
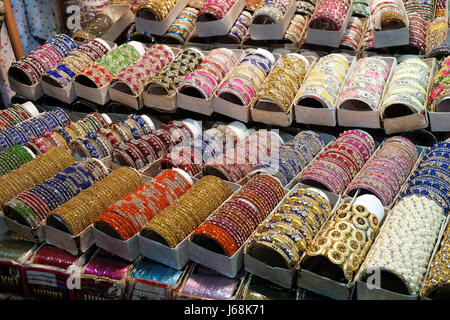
(177, 33)
(65, 69)
(62, 115)
(91, 149)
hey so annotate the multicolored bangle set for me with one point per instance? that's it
(366, 83)
(81, 211)
(174, 223)
(139, 74)
(385, 14)
(290, 230)
(361, 8)
(183, 64)
(346, 238)
(128, 216)
(441, 85)
(408, 86)
(36, 127)
(192, 156)
(292, 157)
(431, 178)
(30, 68)
(236, 219)
(246, 79)
(110, 65)
(274, 11)
(13, 158)
(35, 203)
(330, 14)
(14, 115)
(239, 31)
(78, 60)
(387, 170)
(144, 149)
(353, 33)
(209, 74)
(436, 37)
(181, 29)
(339, 162)
(419, 17)
(215, 8)
(404, 246)
(323, 83)
(237, 163)
(34, 172)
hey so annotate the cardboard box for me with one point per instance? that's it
(33, 92)
(96, 95)
(94, 287)
(32, 234)
(124, 17)
(273, 31)
(176, 257)
(281, 276)
(328, 38)
(12, 275)
(159, 28)
(349, 112)
(179, 295)
(392, 38)
(412, 121)
(128, 250)
(321, 116)
(47, 282)
(146, 289)
(267, 112)
(75, 245)
(207, 28)
(439, 121)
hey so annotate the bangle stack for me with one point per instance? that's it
(33, 204)
(408, 87)
(387, 14)
(138, 75)
(246, 79)
(95, 28)
(405, 245)
(51, 256)
(79, 212)
(338, 163)
(14, 249)
(291, 229)
(151, 270)
(436, 37)
(385, 173)
(216, 9)
(146, 149)
(419, 15)
(361, 8)
(441, 85)
(232, 223)
(14, 157)
(125, 218)
(440, 8)
(365, 85)
(330, 15)
(158, 8)
(239, 30)
(181, 29)
(235, 164)
(205, 79)
(77, 61)
(271, 11)
(292, 157)
(30, 69)
(305, 7)
(438, 276)
(296, 29)
(432, 176)
(183, 64)
(323, 83)
(345, 239)
(110, 65)
(173, 224)
(107, 265)
(283, 82)
(33, 172)
(353, 33)
(14, 115)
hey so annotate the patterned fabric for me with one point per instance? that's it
(6, 58)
